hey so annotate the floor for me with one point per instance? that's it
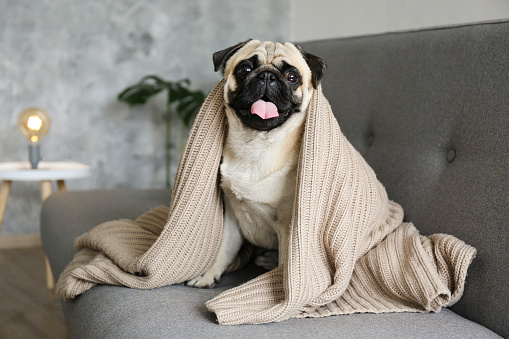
(27, 308)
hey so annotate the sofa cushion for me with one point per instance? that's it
(179, 311)
(429, 110)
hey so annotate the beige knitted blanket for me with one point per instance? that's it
(348, 252)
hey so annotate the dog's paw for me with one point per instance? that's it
(204, 281)
(268, 259)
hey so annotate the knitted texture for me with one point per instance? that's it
(348, 249)
(162, 247)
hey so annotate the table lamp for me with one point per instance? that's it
(34, 124)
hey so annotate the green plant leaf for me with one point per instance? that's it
(140, 92)
(189, 106)
(182, 101)
(154, 78)
(178, 90)
(186, 102)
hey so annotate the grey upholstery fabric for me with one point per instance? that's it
(66, 215)
(179, 311)
(429, 110)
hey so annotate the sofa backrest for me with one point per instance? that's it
(429, 110)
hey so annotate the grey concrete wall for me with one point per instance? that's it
(339, 18)
(72, 58)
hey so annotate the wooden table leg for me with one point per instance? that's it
(4, 195)
(61, 185)
(45, 193)
(50, 281)
(45, 189)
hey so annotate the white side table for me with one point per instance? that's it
(45, 173)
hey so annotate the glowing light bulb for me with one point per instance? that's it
(34, 124)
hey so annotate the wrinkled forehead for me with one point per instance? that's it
(268, 52)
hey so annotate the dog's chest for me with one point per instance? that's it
(260, 189)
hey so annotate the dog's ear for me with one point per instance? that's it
(220, 58)
(316, 65)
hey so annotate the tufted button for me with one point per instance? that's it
(451, 155)
(370, 139)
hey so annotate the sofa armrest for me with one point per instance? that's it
(66, 215)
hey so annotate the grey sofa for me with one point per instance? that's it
(429, 110)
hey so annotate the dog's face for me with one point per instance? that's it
(266, 82)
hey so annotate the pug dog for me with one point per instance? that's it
(267, 92)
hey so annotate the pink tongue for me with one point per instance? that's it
(264, 109)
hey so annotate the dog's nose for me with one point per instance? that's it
(267, 76)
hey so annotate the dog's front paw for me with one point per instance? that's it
(204, 281)
(267, 259)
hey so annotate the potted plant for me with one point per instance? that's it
(182, 103)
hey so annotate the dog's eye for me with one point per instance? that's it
(244, 70)
(291, 77)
